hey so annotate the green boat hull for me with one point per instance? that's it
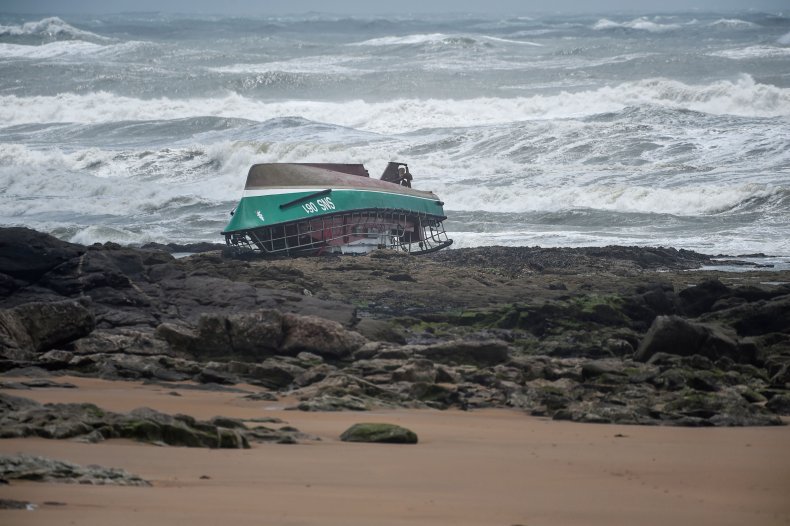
(293, 208)
(266, 210)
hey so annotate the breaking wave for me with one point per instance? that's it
(753, 52)
(52, 28)
(692, 200)
(67, 48)
(733, 23)
(322, 65)
(641, 24)
(743, 97)
(441, 39)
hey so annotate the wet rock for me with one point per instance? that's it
(340, 384)
(440, 396)
(416, 371)
(27, 255)
(599, 368)
(21, 418)
(763, 317)
(380, 330)
(779, 404)
(104, 341)
(379, 433)
(42, 469)
(336, 403)
(320, 336)
(314, 375)
(39, 326)
(272, 373)
(676, 335)
(694, 408)
(212, 376)
(38, 383)
(700, 298)
(179, 337)
(481, 353)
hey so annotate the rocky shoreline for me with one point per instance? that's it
(608, 335)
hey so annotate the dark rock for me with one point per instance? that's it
(779, 404)
(253, 335)
(320, 336)
(763, 317)
(380, 331)
(121, 340)
(272, 373)
(41, 469)
(180, 337)
(650, 301)
(481, 353)
(436, 395)
(675, 335)
(336, 403)
(314, 375)
(11, 504)
(716, 409)
(262, 396)
(700, 298)
(21, 418)
(381, 433)
(211, 376)
(256, 333)
(42, 326)
(416, 371)
(40, 383)
(598, 368)
(26, 254)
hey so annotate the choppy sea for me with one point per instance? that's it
(669, 130)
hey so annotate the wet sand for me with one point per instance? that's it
(492, 467)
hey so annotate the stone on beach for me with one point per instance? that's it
(379, 433)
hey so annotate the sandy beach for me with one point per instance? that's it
(477, 467)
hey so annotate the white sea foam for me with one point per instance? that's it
(439, 38)
(733, 23)
(511, 41)
(52, 27)
(306, 65)
(65, 48)
(642, 24)
(743, 97)
(431, 38)
(753, 52)
(691, 200)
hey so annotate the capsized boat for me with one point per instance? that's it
(315, 208)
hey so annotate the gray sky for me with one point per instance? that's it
(367, 7)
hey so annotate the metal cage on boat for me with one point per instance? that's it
(317, 208)
(350, 232)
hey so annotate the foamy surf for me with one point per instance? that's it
(551, 130)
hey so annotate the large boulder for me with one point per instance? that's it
(26, 254)
(763, 316)
(682, 337)
(320, 336)
(41, 326)
(700, 298)
(254, 335)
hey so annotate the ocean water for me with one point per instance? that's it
(669, 130)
